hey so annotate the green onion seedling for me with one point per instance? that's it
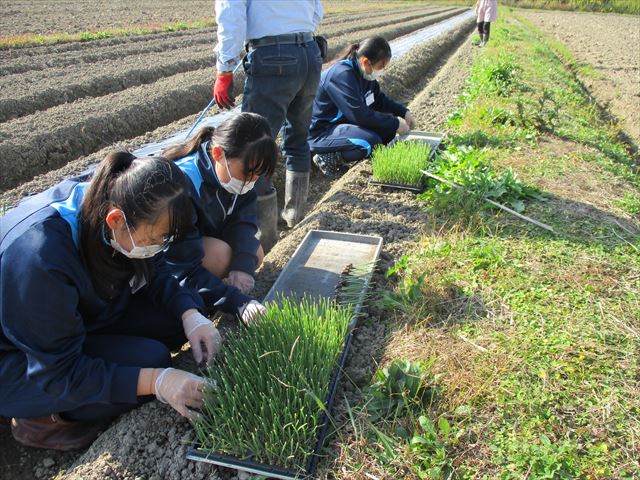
(401, 163)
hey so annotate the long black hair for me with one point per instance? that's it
(246, 136)
(374, 48)
(144, 189)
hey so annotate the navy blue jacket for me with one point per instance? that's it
(218, 214)
(48, 303)
(345, 96)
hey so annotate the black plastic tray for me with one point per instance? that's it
(432, 138)
(398, 186)
(320, 251)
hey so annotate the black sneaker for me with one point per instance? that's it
(330, 164)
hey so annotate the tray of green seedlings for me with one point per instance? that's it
(275, 381)
(399, 164)
(316, 266)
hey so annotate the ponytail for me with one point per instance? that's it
(175, 152)
(348, 52)
(144, 189)
(374, 48)
(246, 136)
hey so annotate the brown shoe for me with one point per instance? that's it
(54, 433)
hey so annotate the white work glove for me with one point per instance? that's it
(242, 280)
(402, 126)
(199, 330)
(182, 390)
(251, 311)
(408, 117)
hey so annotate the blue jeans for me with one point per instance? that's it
(143, 337)
(353, 142)
(281, 85)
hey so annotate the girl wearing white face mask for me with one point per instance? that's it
(351, 115)
(88, 308)
(223, 165)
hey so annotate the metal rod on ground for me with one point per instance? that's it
(495, 204)
(206, 109)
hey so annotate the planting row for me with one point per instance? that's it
(46, 140)
(28, 59)
(22, 94)
(43, 57)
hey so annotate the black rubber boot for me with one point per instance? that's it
(268, 220)
(295, 197)
(330, 164)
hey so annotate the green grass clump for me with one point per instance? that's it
(271, 382)
(466, 166)
(401, 163)
(533, 339)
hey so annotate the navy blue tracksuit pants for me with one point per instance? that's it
(143, 337)
(352, 141)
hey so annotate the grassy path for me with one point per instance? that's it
(528, 341)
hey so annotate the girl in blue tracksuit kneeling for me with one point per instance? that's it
(223, 165)
(351, 115)
(88, 307)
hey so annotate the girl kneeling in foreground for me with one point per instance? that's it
(88, 308)
(223, 165)
(351, 115)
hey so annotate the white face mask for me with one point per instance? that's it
(137, 252)
(374, 75)
(235, 186)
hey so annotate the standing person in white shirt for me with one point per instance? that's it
(282, 67)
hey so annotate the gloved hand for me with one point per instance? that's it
(182, 390)
(223, 90)
(408, 117)
(323, 45)
(198, 329)
(403, 127)
(242, 280)
(251, 311)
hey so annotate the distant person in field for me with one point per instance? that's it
(282, 68)
(487, 12)
(223, 165)
(88, 307)
(351, 115)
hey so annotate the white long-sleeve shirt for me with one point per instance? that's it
(242, 20)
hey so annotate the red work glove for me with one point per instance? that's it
(223, 90)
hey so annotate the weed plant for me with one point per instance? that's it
(401, 163)
(467, 167)
(271, 381)
(395, 420)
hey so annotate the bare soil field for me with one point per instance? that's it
(151, 441)
(55, 16)
(607, 49)
(124, 88)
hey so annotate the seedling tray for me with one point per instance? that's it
(398, 186)
(314, 270)
(433, 139)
